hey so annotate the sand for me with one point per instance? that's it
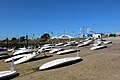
(103, 64)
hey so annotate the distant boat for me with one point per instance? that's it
(107, 42)
(3, 48)
(104, 41)
(22, 51)
(68, 44)
(59, 44)
(85, 43)
(22, 48)
(45, 48)
(10, 50)
(56, 50)
(96, 44)
(67, 51)
(47, 45)
(6, 74)
(58, 62)
(98, 47)
(3, 54)
(14, 57)
(81, 45)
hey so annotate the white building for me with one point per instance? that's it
(63, 37)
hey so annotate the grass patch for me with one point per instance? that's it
(35, 69)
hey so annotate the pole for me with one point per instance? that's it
(26, 40)
(83, 31)
(7, 42)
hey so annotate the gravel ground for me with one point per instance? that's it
(103, 64)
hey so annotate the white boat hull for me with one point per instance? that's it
(22, 51)
(3, 55)
(26, 58)
(87, 42)
(107, 42)
(58, 62)
(96, 44)
(14, 57)
(5, 74)
(97, 47)
(67, 44)
(55, 50)
(66, 51)
(59, 44)
(80, 45)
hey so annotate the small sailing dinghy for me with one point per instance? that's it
(85, 43)
(107, 42)
(56, 50)
(26, 57)
(58, 62)
(59, 44)
(98, 47)
(67, 51)
(23, 51)
(14, 57)
(3, 55)
(6, 74)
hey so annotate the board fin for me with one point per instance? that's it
(12, 65)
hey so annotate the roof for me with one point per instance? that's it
(63, 37)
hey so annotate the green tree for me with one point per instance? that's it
(13, 39)
(112, 35)
(46, 36)
(22, 38)
(5, 40)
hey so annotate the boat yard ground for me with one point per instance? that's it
(103, 64)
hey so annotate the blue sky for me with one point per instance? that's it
(28, 17)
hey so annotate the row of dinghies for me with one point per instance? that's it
(23, 55)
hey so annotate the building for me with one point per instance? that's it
(96, 35)
(118, 34)
(63, 37)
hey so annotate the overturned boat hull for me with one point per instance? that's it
(58, 62)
